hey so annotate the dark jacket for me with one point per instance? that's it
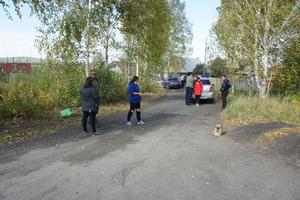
(89, 99)
(134, 98)
(225, 86)
(96, 85)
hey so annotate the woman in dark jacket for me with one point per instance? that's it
(135, 101)
(89, 104)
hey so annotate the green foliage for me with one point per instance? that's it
(255, 36)
(146, 34)
(47, 88)
(199, 69)
(288, 75)
(149, 85)
(113, 86)
(56, 86)
(217, 67)
(180, 37)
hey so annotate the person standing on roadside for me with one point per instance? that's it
(95, 84)
(189, 89)
(135, 101)
(198, 87)
(224, 90)
(89, 104)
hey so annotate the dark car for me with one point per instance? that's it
(171, 82)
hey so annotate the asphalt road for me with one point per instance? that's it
(172, 157)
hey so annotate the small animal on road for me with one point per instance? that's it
(218, 131)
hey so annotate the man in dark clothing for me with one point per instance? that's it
(189, 89)
(95, 84)
(224, 90)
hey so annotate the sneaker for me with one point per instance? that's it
(96, 133)
(84, 132)
(140, 123)
(197, 104)
(129, 123)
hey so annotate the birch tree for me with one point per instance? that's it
(254, 32)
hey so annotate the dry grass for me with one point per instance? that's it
(272, 136)
(245, 110)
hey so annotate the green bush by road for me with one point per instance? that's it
(56, 86)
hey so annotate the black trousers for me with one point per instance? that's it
(224, 100)
(92, 116)
(197, 97)
(137, 107)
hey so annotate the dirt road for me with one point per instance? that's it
(174, 156)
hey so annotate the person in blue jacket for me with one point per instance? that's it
(135, 101)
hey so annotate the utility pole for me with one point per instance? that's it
(204, 68)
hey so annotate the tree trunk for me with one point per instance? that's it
(87, 66)
(266, 45)
(257, 66)
(137, 68)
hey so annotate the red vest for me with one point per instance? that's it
(198, 87)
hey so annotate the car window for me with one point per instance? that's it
(173, 79)
(205, 82)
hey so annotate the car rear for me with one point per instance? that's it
(173, 83)
(208, 89)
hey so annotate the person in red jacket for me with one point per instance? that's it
(198, 87)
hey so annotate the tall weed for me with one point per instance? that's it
(248, 109)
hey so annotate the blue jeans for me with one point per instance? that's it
(188, 95)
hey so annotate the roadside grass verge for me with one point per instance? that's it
(245, 109)
(17, 130)
(248, 109)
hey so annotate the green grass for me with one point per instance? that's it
(245, 109)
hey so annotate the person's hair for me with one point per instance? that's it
(134, 78)
(88, 82)
(224, 75)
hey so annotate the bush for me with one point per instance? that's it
(52, 87)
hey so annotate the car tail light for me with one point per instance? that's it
(211, 89)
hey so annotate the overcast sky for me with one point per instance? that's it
(17, 36)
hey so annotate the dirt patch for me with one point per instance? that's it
(276, 139)
(249, 133)
(287, 148)
(271, 136)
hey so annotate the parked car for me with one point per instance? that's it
(171, 82)
(182, 79)
(208, 92)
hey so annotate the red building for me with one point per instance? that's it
(15, 67)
